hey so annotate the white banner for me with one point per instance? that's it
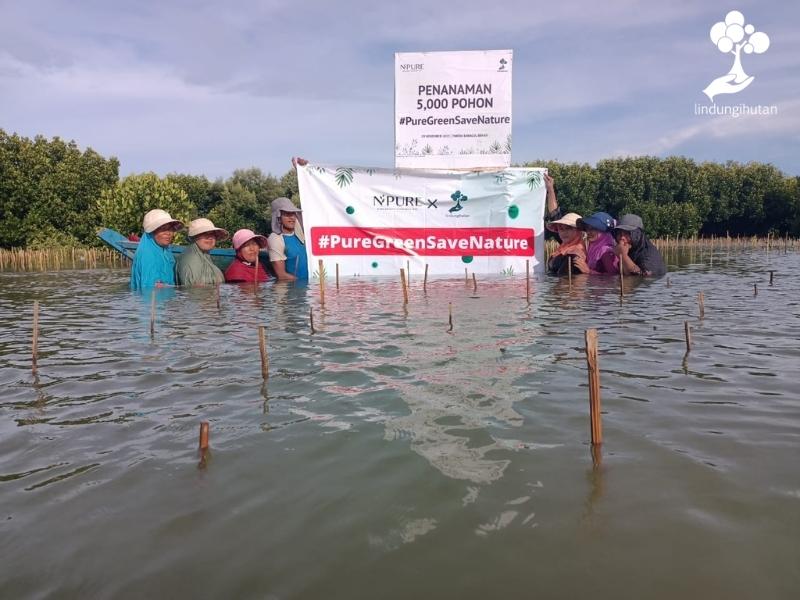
(374, 221)
(452, 109)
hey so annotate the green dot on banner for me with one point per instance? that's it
(350, 210)
(466, 259)
(513, 211)
(374, 265)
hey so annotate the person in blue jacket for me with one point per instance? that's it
(287, 242)
(153, 263)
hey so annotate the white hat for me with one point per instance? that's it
(199, 226)
(569, 219)
(158, 218)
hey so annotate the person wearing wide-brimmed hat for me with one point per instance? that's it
(287, 243)
(566, 228)
(243, 267)
(153, 263)
(600, 243)
(194, 265)
(637, 254)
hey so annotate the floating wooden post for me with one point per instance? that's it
(701, 301)
(755, 289)
(321, 283)
(688, 330)
(594, 387)
(337, 276)
(405, 286)
(771, 273)
(262, 346)
(35, 338)
(311, 319)
(528, 281)
(450, 318)
(474, 284)
(153, 315)
(425, 279)
(203, 436)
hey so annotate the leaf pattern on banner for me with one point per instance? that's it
(534, 179)
(344, 176)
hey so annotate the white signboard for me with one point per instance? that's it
(452, 109)
(374, 221)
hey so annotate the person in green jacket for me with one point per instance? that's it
(194, 266)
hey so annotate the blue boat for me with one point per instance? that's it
(222, 257)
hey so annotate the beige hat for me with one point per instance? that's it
(570, 219)
(199, 226)
(158, 218)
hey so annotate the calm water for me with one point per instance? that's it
(388, 458)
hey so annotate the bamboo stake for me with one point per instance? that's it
(337, 276)
(296, 265)
(622, 280)
(405, 287)
(219, 304)
(688, 331)
(594, 387)
(255, 273)
(203, 445)
(408, 271)
(262, 347)
(311, 319)
(466, 276)
(35, 338)
(450, 318)
(425, 279)
(153, 315)
(755, 289)
(474, 284)
(528, 281)
(321, 283)
(569, 270)
(701, 301)
(771, 273)
(668, 285)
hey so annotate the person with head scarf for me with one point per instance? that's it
(194, 265)
(153, 263)
(637, 254)
(243, 268)
(571, 250)
(600, 243)
(287, 243)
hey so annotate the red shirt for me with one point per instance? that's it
(240, 271)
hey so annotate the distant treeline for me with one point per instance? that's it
(54, 194)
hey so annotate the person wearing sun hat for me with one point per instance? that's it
(287, 243)
(600, 243)
(153, 263)
(194, 265)
(243, 268)
(638, 255)
(566, 228)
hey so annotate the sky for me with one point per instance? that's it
(206, 87)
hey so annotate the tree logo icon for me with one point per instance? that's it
(503, 63)
(458, 198)
(733, 36)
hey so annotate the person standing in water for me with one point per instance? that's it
(287, 242)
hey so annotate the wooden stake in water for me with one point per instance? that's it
(219, 304)
(35, 338)
(405, 287)
(755, 289)
(701, 302)
(337, 276)
(425, 279)
(203, 445)
(569, 269)
(622, 280)
(688, 330)
(668, 285)
(450, 318)
(262, 346)
(408, 272)
(466, 276)
(311, 319)
(153, 315)
(255, 273)
(474, 284)
(321, 283)
(296, 265)
(594, 387)
(528, 281)
(771, 273)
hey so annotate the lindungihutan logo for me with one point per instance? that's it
(734, 36)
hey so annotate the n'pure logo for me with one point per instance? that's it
(734, 36)
(392, 202)
(411, 68)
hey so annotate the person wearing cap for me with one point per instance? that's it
(638, 255)
(600, 243)
(566, 228)
(194, 265)
(243, 268)
(153, 263)
(287, 243)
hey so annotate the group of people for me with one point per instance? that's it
(599, 243)
(154, 264)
